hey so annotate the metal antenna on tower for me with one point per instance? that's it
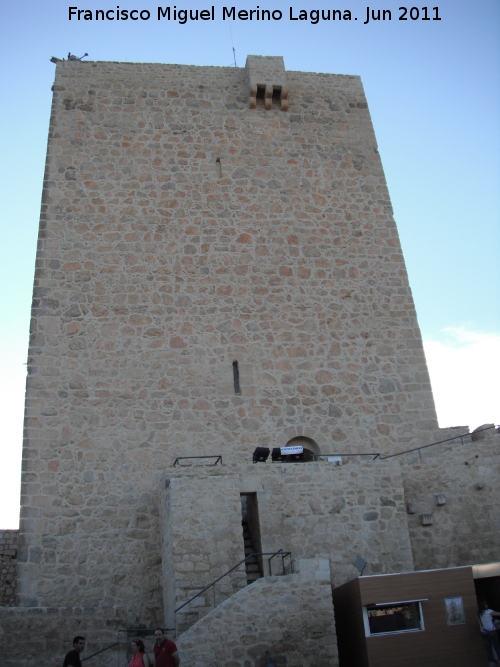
(232, 42)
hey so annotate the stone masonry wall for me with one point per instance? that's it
(8, 567)
(335, 512)
(158, 267)
(291, 617)
(42, 636)
(310, 509)
(466, 529)
(202, 539)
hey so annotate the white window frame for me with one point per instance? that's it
(393, 604)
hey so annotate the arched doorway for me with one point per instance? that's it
(310, 446)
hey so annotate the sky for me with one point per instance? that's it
(433, 89)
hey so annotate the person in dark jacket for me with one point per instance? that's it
(72, 658)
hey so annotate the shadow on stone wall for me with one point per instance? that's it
(8, 567)
(42, 636)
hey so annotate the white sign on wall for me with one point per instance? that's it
(286, 451)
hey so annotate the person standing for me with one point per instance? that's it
(72, 658)
(139, 656)
(489, 633)
(165, 651)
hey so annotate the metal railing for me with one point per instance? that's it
(280, 552)
(218, 459)
(439, 442)
(144, 631)
(283, 555)
(377, 455)
(101, 651)
(374, 455)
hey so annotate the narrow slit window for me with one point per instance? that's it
(236, 378)
(218, 167)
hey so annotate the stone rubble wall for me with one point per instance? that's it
(154, 274)
(310, 509)
(451, 432)
(466, 529)
(438, 450)
(291, 617)
(8, 567)
(335, 512)
(202, 539)
(42, 636)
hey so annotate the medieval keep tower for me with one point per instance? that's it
(218, 269)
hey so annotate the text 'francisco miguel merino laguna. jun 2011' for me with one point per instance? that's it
(314, 16)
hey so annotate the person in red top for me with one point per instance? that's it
(165, 651)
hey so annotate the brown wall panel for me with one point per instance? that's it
(439, 645)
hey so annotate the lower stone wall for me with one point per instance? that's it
(42, 636)
(315, 509)
(465, 528)
(291, 617)
(8, 567)
(202, 539)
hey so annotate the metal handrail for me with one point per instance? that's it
(267, 553)
(138, 631)
(439, 442)
(282, 554)
(217, 457)
(376, 455)
(101, 651)
(414, 449)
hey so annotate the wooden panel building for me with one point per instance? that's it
(445, 629)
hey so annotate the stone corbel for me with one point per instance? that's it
(253, 96)
(268, 97)
(284, 98)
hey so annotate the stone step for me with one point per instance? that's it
(252, 566)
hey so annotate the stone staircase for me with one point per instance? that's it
(289, 616)
(252, 565)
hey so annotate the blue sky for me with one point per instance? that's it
(433, 88)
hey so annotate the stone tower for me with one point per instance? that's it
(218, 269)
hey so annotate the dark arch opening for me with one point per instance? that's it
(310, 446)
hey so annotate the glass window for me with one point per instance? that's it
(393, 617)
